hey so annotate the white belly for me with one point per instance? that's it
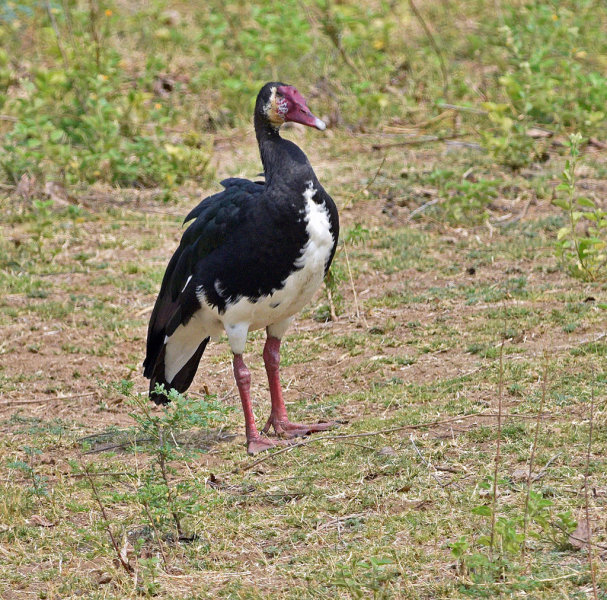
(299, 287)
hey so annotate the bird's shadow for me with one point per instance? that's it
(129, 440)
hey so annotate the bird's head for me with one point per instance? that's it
(278, 103)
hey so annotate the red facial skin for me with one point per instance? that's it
(292, 106)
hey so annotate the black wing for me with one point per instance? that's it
(216, 217)
(334, 221)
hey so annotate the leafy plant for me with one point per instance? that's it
(476, 558)
(165, 498)
(367, 578)
(581, 244)
(467, 201)
(551, 78)
(167, 502)
(39, 483)
(82, 118)
(506, 139)
(547, 75)
(332, 288)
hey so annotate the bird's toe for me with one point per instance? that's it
(260, 444)
(286, 429)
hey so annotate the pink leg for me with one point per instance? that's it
(255, 443)
(278, 417)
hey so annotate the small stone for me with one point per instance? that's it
(581, 536)
(170, 17)
(387, 451)
(103, 578)
(519, 475)
(537, 133)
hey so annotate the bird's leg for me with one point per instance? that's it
(278, 417)
(255, 443)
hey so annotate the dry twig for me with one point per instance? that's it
(516, 218)
(422, 208)
(532, 457)
(587, 501)
(163, 472)
(476, 111)
(545, 467)
(324, 438)
(160, 544)
(55, 27)
(499, 443)
(426, 462)
(418, 141)
(369, 183)
(360, 316)
(125, 565)
(332, 312)
(435, 47)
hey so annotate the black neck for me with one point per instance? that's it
(269, 142)
(282, 160)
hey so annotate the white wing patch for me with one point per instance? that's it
(186, 284)
(182, 344)
(219, 288)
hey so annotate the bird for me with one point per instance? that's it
(252, 257)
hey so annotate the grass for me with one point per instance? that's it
(384, 515)
(450, 251)
(134, 95)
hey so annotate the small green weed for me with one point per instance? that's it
(506, 139)
(581, 245)
(367, 578)
(159, 433)
(476, 557)
(165, 501)
(165, 497)
(39, 483)
(552, 78)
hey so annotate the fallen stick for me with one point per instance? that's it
(470, 109)
(144, 310)
(416, 141)
(43, 400)
(124, 563)
(517, 218)
(425, 461)
(422, 208)
(23, 402)
(544, 469)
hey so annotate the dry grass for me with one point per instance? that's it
(344, 515)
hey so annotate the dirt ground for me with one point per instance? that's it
(424, 304)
